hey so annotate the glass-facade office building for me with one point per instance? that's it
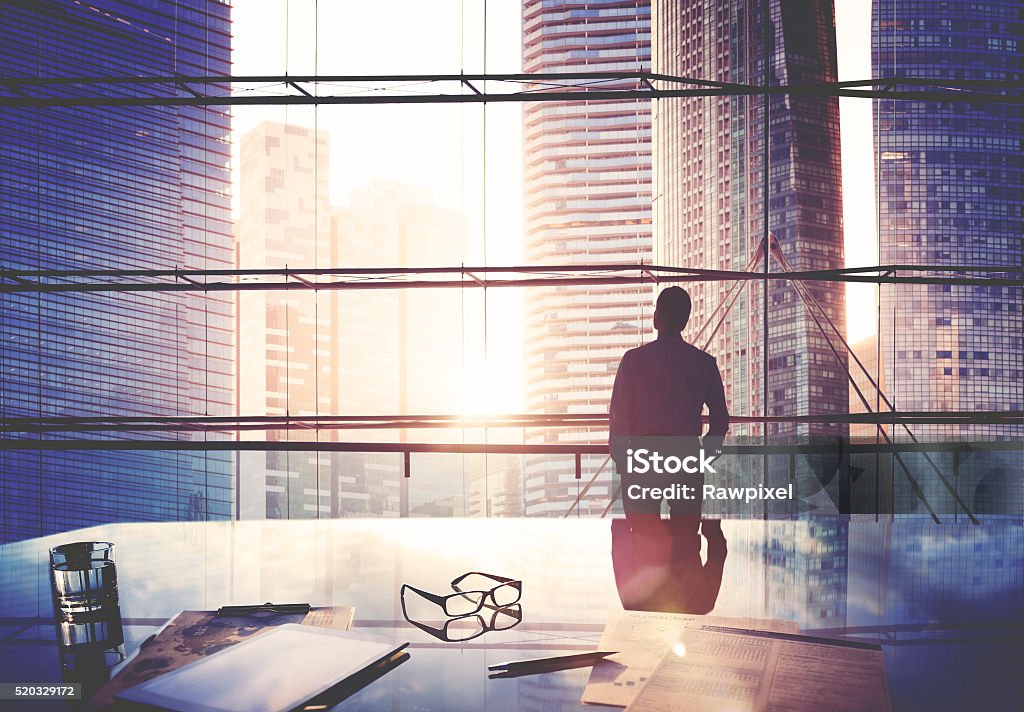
(287, 356)
(114, 188)
(587, 183)
(709, 201)
(949, 180)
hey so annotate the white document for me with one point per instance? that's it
(715, 668)
(642, 639)
(274, 671)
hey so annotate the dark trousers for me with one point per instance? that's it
(648, 506)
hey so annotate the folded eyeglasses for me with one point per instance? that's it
(464, 607)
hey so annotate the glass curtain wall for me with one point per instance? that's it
(347, 396)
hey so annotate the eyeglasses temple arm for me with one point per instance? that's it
(495, 577)
(439, 600)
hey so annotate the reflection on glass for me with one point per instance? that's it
(952, 594)
(658, 566)
(463, 628)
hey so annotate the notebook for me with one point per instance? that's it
(275, 671)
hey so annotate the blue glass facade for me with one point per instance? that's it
(949, 178)
(102, 188)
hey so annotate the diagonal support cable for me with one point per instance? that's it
(731, 297)
(915, 486)
(808, 299)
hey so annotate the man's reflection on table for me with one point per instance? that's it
(658, 565)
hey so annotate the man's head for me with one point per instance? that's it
(672, 310)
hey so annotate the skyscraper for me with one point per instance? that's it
(400, 350)
(287, 346)
(710, 194)
(949, 180)
(114, 188)
(949, 177)
(341, 352)
(587, 175)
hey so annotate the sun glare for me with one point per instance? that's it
(492, 389)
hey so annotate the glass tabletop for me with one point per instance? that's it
(945, 602)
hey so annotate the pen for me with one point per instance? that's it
(268, 607)
(576, 660)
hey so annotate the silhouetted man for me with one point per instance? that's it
(661, 389)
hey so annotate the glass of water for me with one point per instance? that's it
(83, 581)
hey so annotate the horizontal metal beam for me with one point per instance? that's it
(14, 281)
(227, 90)
(559, 78)
(464, 270)
(572, 78)
(227, 424)
(831, 447)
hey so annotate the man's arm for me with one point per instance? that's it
(718, 411)
(620, 412)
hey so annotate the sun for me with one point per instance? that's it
(493, 388)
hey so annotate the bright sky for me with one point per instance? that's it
(853, 37)
(443, 147)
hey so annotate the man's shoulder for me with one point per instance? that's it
(700, 353)
(697, 354)
(638, 354)
(629, 355)
(680, 347)
(642, 348)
